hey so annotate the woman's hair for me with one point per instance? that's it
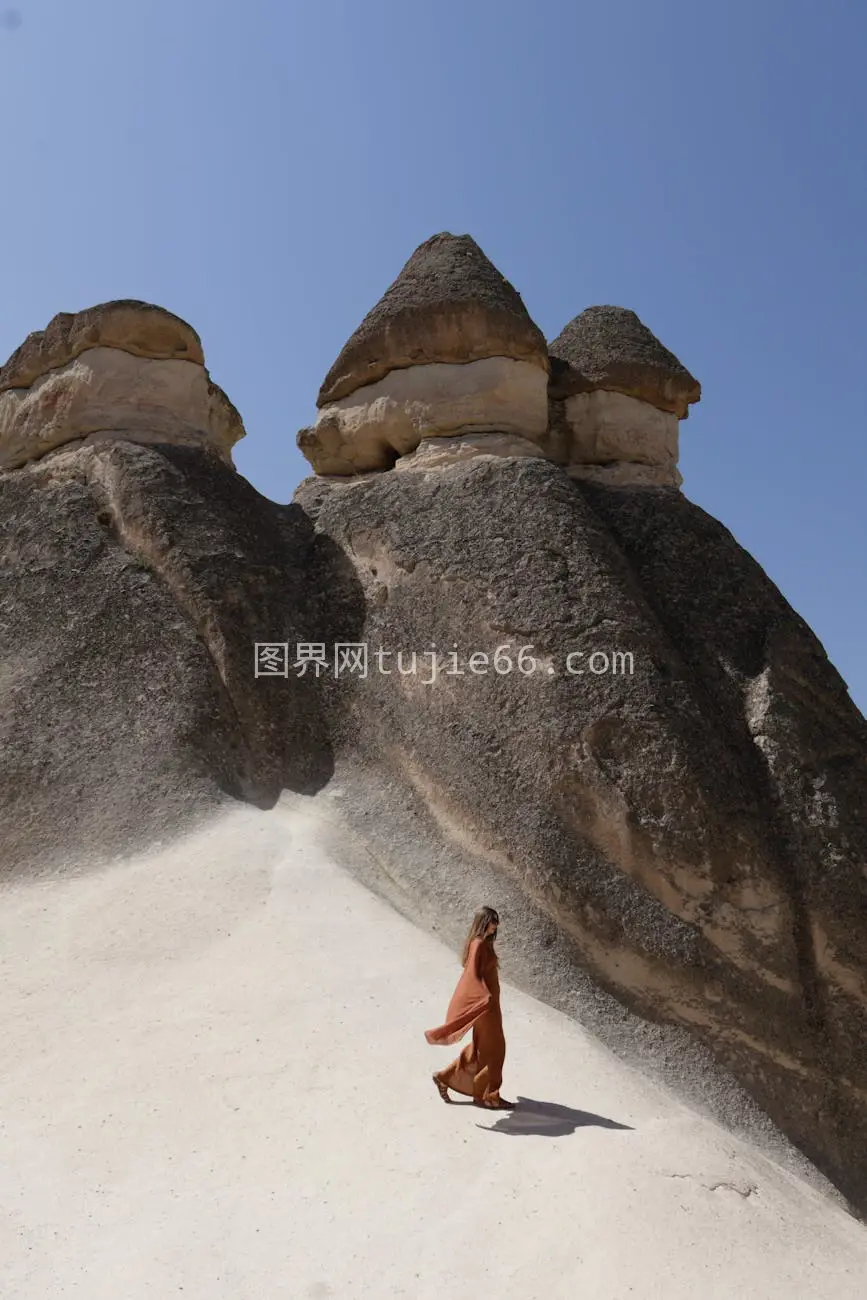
(481, 921)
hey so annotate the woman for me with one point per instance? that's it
(478, 1071)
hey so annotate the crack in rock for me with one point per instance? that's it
(745, 1190)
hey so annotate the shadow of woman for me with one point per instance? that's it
(547, 1119)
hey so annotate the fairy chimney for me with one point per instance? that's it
(448, 352)
(123, 370)
(617, 396)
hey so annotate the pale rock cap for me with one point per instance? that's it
(125, 371)
(139, 328)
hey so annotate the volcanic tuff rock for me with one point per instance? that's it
(449, 304)
(616, 395)
(433, 453)
(134, 580)
(687, 839)
(693, 830)
(449, 349)
(121, 370)
(610, 348)
(450, 352)
(139, 328)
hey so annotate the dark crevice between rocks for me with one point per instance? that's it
(280, 725)
(240, 785)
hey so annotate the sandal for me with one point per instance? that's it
(441, 1089)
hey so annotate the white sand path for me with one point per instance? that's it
(215, 1085)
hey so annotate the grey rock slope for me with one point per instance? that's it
(133, 583)
(693, 831)
(136, 575)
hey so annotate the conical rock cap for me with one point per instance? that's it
(449, 304)
(611, 348)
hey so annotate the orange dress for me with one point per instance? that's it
(478, 1071)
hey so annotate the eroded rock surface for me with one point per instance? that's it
(448, 350)
(619, 440)
(694, 829)
(448, 304)
(134, 581)
(616, 396)
(139, 328)
(123, 370)
(375, 425)
(610, 348)
(683, 828)
(137, 570)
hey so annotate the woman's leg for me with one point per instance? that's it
(459, 1075)
(492, 1054)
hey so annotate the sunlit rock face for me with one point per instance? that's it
(450, 352)
(619, 440)
(376, 424)
(611, 349)
(436, 453)
(121, 371)
(448, 304)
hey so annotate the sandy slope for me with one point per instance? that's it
(215, 1085)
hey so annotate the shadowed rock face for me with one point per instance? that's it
(695, 830)
(137, 569)
(133, 583)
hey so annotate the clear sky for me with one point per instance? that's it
(264, 168)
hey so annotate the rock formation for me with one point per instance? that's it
(609, 349)
(632, 744)
(123, 369)
(692, 830)
(448, 350)
(616, 397)
(137, 570)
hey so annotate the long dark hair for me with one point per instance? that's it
(482, 919)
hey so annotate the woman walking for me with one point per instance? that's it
(478, 1071)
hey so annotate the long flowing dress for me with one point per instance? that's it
(478, 1071)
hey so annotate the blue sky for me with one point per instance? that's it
(265, 168)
